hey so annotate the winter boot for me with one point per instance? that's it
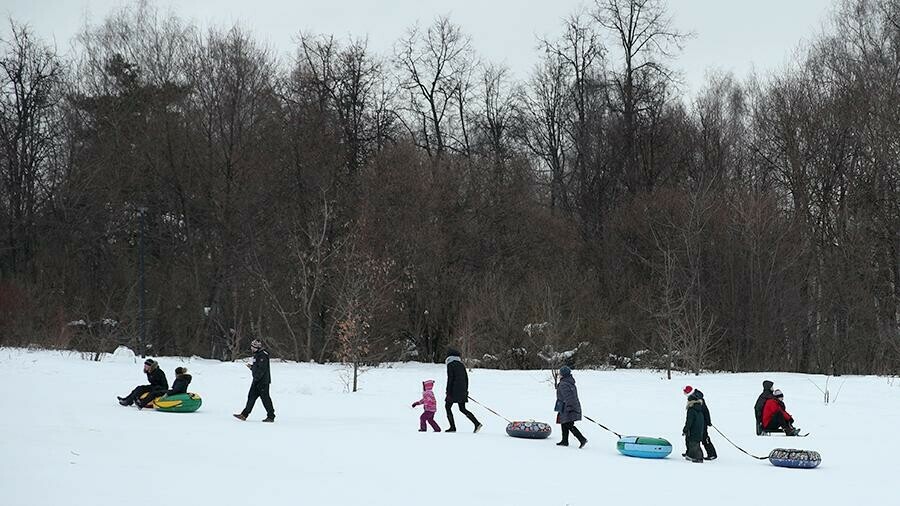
(477, 428)
(269, 419)
(583, 442)
(451, 429)
(562, 443)
(240, 416)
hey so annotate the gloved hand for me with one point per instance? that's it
(414, 404)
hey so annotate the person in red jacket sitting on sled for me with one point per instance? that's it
(776, 417)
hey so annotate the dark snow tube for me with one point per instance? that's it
(644, 447)
(797, 459)
(178, 403)
(529, 430)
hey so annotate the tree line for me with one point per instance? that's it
(347, 205)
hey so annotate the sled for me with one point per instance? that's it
(795, 459)
(644, 447)
(178, 403)
(529, 430)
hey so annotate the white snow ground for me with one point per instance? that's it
(64, 440)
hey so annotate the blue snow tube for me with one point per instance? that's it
(644, 447)
(796, 459)
(529, 430)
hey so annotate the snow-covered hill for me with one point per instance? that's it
(64, 440)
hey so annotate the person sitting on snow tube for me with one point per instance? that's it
(761, 403)
(776, 417)
(182, 380)
(158, 386)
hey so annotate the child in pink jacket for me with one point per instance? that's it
(430, 404)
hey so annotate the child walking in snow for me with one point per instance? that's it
(430, 404)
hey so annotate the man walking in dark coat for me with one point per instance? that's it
(569, 407)
(707, 420)
(457, 390)
(761, 403)
(157, 387)
(259, 388)
(694, 426)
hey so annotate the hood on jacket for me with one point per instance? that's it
(693, 402)
(453, 353)
(767, 386)
(453, 358)
(427, 385)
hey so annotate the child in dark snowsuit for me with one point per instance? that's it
(430, 404)
(568, 407)
(694, 426)
(182, 380)
(707, 421)
(157, 387)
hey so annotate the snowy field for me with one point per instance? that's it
(64, 440)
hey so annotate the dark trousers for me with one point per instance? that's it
(428, 416)
(463, 410)
(708, 445)
(135, 395)
(778, 422)
(570, 427)
(259, 391)
(693, 450)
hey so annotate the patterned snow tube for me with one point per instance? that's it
(179, 403)
(796, 459)
(529, 430)
(644, 447)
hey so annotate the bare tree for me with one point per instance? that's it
(434, 69)
(30, 90)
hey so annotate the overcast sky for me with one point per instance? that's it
(731, 35)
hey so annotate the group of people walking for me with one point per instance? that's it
(769, 409)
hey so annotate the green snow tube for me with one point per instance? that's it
(178, 403)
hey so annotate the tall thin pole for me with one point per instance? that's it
(141, 324)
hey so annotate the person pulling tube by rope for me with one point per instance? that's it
(457, 390)
(568, 407)
(693, 429)
(707, 419)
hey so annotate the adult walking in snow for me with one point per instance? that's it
(430, 404)
(707, 421)
(157, 387)
(761, 403)
(694, 426)
(776, 417)
(259, 388)
(568, 407)
(457, 390)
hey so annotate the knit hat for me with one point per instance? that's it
(453, 353)
(150, 362)
(688, 389)
(777, 393)
(565, 371)
(180, 370)
(256, 343)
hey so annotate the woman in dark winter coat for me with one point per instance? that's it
(694, 427)
(568, 407)
(761, 403)
(157, 387)
(457, 390)
(182, 380)
(707, 423)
